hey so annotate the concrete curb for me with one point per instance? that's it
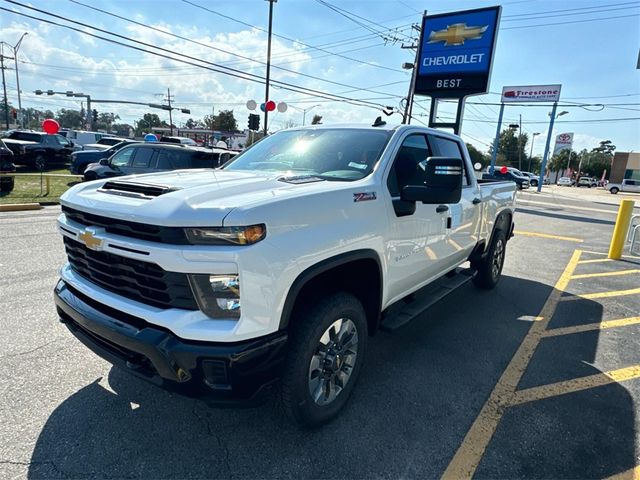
(16, 207)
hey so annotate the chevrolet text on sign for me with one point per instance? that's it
(531, 93)
(456, 53)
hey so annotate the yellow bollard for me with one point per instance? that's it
(620, 230)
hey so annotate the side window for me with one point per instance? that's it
(164, 162)
(405, 170)
(122, 158)
(62, 140)
(142, 158)
(444, 147)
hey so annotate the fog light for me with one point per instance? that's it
(226, 291)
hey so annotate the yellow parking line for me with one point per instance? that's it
(632, 474)
(547, 235)
(592, 296)
(606, 274)
(470, 452)
(597, 260)
(576, 385)
(592, 326)
(602, 253)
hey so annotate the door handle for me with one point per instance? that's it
(442, 208)
(477, 201)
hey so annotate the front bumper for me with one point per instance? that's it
(219, 373)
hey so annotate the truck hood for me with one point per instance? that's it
(202, 197)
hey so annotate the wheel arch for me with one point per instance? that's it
(504, 222)
(358, 272)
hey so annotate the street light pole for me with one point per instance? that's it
(4, 87)
(15, 57)
(266, 93)
(533, 139)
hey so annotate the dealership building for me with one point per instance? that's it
(625, 165)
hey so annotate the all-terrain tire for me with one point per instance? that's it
(488, 269)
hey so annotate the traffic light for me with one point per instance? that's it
(254, 122)
(14, 114)
(514, 126)
(95, 115)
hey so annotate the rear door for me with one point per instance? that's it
(465, 215)
(631, 186)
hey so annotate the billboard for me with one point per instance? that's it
(531, 93)
(563, 141)
(456, 53)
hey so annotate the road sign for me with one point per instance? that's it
(531, 93)
(456, 53)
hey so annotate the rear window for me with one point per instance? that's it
(171, 159)
(26, 136)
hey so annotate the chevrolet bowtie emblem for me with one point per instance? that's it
(456, 34)
(90, 241)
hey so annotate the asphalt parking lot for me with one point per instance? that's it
(539, 378)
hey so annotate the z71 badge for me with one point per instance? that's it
(364, 196)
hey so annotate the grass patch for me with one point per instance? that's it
(27, 189)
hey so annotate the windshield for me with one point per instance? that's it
(332, 154)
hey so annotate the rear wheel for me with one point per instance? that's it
(489, 269)
(327, 347)
(534, 183)
(614, 190)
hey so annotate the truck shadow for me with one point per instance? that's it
(420, 391)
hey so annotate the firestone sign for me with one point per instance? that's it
(531, 93)
(456, 53)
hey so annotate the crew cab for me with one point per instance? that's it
(628, 185)
(80, 160)
(37, 148)
(275, 270)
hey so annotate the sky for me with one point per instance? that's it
(349, 48)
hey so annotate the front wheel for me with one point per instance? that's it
(489, 269)
(90, 175)
(534, 183)
(327, 347)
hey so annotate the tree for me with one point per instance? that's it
(317, 120)
(560, 161)
(191, 123)
(122, 129)
(594, 163)
(605, 147)
(477, 156)
(106, 120)
(226, 121)
(511, 149)
(147, 122)
(209, 122)
(68, 118)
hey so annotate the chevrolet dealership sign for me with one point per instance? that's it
(456, 53)
(531, 93)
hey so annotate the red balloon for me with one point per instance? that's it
(504, 170)
(271, 106)
(50, 126)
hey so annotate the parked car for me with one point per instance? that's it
(565, 182)
(6, 166)
(38, 148)
(84, 137)
(104, 143)
(154, 157)
(533, 178)
(80, 160)
(181, 140)
(628, 185)
(276, 268)
(499, 173)
(587, 182)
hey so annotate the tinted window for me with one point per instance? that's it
(405, 170)
(142, 158)
(26, 136)
(174, 159)
(62, 140)
(631, 182)
(121, 159)
(443, 147)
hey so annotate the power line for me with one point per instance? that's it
(569, 10)
(568, 22)
(233, 72)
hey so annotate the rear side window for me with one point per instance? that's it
(443, 147)
(142, 158)
(26, 136)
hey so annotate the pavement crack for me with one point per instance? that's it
(27, 352)
(211, 432)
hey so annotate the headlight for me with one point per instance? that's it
(226, 235)
(218, 296)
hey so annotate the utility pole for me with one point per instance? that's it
(170, 118)
(408, 108)
(520, 143)
(16, 47)
(4, 87)
(266, 94)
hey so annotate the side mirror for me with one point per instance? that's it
(104, 161)
(442, 182)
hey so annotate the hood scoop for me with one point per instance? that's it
(300, 179)
(136, 190)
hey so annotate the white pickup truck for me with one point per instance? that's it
(276, 268)
(627, 186)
